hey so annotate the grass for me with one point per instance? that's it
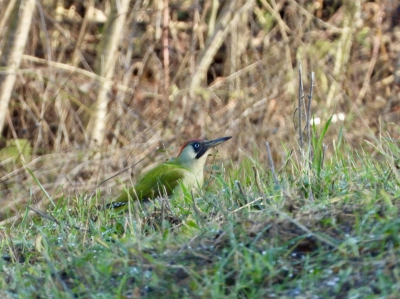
(248, 92)
(243, 238)
(325, 227)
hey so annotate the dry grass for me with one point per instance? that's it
(249, 92)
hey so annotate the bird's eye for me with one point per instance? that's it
(196, 145)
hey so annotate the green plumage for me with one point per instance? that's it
(160, 180)
(166, 179)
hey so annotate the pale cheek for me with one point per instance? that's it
(190, 154)
(193, 154)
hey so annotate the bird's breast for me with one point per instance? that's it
(192, 182)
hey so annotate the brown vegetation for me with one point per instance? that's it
(248, 91)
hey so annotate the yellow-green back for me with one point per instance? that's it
(160, 181)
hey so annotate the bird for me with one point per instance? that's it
(167, 178)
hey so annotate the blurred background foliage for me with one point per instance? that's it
(170, 85)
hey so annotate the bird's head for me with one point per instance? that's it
(194, 151)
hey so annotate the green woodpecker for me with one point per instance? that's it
(166, 178)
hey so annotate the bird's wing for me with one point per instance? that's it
(163, 178)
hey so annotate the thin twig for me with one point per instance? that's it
(165, 48)
(225, 23)
(305, 229)
(77, 70)
(308, 127)
(295, 222)
(308, 112)
(308, 130)
(44, 215)
(123, 170)
(53, 219)
(299, 104)
(375, 51)
(271, 164)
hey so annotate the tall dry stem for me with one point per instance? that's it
(342, 51)
(225, 23)
(12, 50)
(107, 57)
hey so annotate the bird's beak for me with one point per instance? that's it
(207, 144)
(215, 142)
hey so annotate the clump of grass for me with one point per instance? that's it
(248, 90)
(323, 222)
(318, 226)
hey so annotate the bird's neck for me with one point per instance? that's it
(193, 164)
